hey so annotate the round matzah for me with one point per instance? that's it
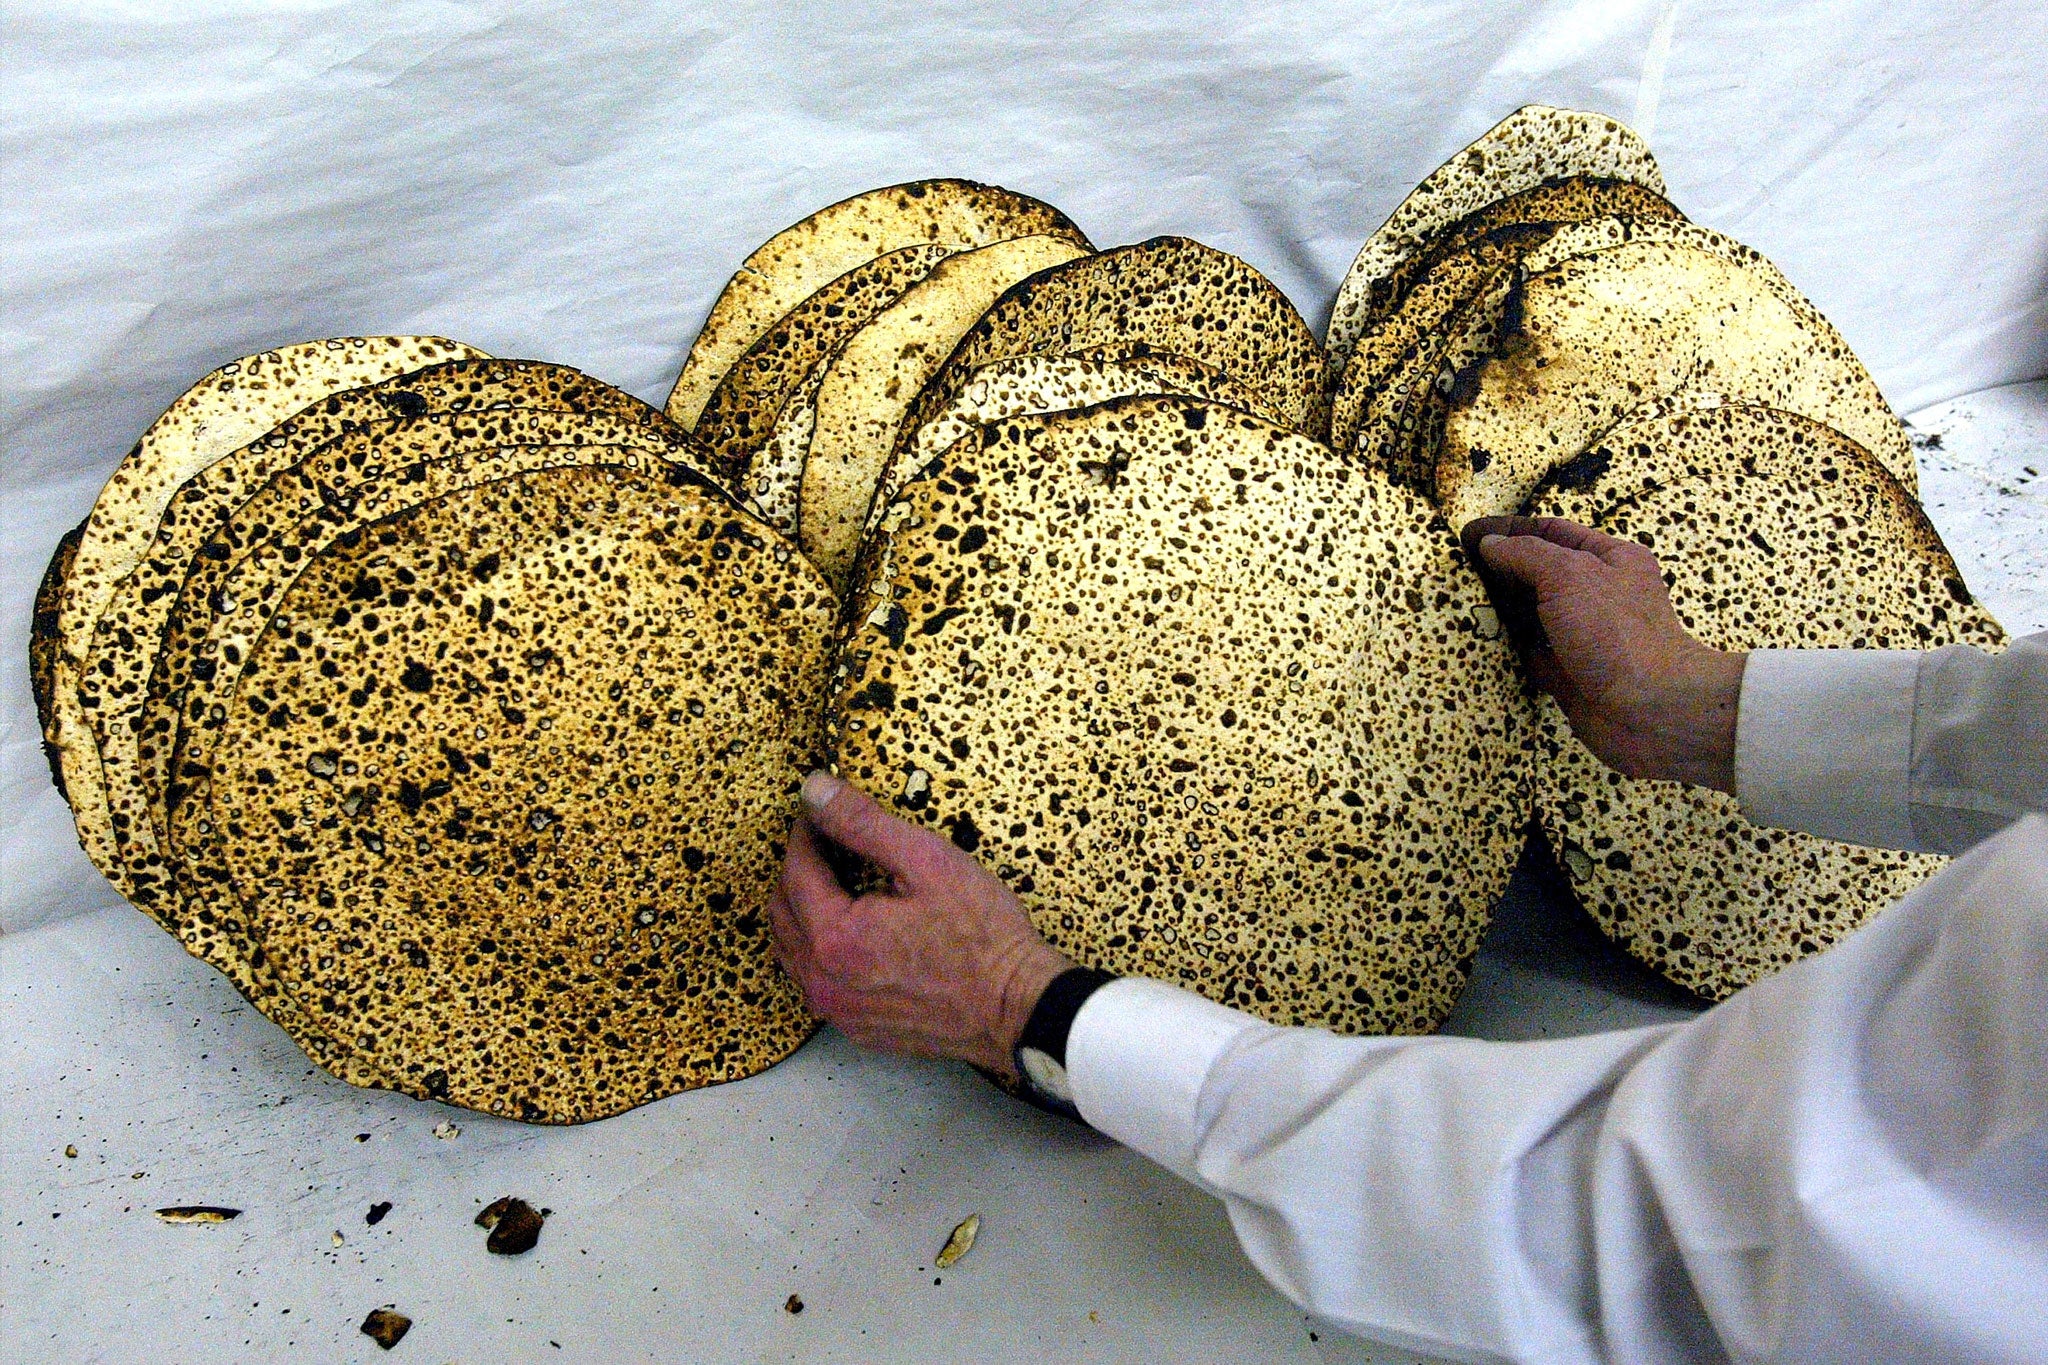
(868, 385)
(195, 902)
(233, 405)
(1168, 293)
(1219, 708)
(197, 907)
(1399, 334)
(1534, 144)
(1584, 345)
(795, 263)
(740, 414)
(519, 858)
(1774, 532)
(124, 639)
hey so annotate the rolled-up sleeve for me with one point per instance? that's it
(1933, 751)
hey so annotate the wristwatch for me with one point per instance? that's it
(1041, 1051)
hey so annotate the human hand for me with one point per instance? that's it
(942, 963)
(1642, 694)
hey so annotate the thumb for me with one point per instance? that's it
(851, 819)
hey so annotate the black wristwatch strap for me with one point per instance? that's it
(1041, 1053)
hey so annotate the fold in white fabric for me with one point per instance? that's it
(1848, 1161)
(1980, 742)
(1824, 743)
(1934, 751)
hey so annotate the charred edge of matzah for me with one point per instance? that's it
(1603, 197)
(1429, 400)
(1399, 402)
(45, 645)
(1788, 357)
(1440, 400)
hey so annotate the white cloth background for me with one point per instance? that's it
(183, 184)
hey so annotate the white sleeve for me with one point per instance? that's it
(1848, 1161)
(1929, 750)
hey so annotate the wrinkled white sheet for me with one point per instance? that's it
(183, 184)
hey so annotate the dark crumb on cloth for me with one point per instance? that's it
(385, 1327)
(515, 1226)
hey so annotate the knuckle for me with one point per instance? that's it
(831, 946)
(854, 812)
(930, 858)
(826, 998)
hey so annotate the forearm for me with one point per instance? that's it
(1931, 751)
(1980, 742)
(1385, 1184)
(1839, 1163)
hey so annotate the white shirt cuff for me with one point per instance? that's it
(1824, 743)
(1138, 1056)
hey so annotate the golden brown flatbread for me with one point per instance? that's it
(1774, 532)
(518, 854)
(1221, 709)
(208, 646)
(1027, 384)
(789, 267)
